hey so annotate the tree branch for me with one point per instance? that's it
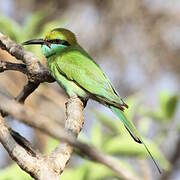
(55, 130)
(74, 123)
(36, 72)
(5, 66)
(16, 152)
(23, 142)
(29, 88)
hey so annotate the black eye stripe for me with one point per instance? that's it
(58, 41)
(65, 43)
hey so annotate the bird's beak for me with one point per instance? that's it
(34, 41)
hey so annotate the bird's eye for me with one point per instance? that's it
(63, 42)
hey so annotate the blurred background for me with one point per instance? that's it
(137, 44)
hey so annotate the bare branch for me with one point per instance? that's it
(5, 66)
(53, 129)
(29, 88)
(26, 115)
(19, 154)
(37, 166)
(36, 72)
(74, 123)
(23, 142)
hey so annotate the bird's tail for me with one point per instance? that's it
(132, 131)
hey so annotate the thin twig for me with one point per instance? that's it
(29, 88)
(36, 72)
(5, 66)
(23, 142)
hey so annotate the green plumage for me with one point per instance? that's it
(80, 76)
(76, 66)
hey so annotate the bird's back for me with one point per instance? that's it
(76, 65)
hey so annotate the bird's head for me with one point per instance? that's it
(55, 41)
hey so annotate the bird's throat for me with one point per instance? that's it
(53, 49)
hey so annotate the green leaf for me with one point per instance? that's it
(97, 135)
(98, 171)
(114, 124)
(178, 127)
(74, 173)
(14, 172)
(108, 122)
(34, 25)
(10, 28)
(144, 125)
(168, 104)
(132, 102)
(155, 115)
(51, 145)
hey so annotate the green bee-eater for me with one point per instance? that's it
(79, 75)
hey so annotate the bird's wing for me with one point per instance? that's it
(77, 66)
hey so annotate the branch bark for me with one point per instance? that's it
(26, 161)
(36, 72)
(74, 123)
(5, 66)
(29, 88)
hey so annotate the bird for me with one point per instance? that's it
(80, 76)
